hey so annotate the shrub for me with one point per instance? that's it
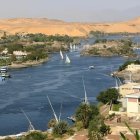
(35, 136)
(60, 129)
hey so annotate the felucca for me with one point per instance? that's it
(67, 59)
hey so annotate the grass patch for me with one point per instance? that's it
(117, 106)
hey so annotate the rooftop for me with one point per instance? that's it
(130, 84)
(134, 95)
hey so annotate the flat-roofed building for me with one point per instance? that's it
(129, 88)
(133, 103)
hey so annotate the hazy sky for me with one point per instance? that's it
(71, 10)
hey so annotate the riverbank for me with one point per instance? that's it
(27, 64)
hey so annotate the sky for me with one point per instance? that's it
(71, 10)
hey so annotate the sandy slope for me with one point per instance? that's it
(52, 27)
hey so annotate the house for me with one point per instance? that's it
(129, 88)
(133, 67)
(20, 54)
(133, 103)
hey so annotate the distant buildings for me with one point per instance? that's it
(133, 67)
(20, 54)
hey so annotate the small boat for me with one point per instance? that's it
(5, 75)
(72, 118)
(61, 54)
(3, 69)
(91, 67)
(4, 72)
(67, 59)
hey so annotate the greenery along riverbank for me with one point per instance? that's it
(104, 47)
(88, 117)
(21, 48)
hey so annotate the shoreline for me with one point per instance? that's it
(27, 64)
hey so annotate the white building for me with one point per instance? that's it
(133, 67)
(133, 103)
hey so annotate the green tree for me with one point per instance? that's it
(97, 128)
(93, 129)
(85, 113)
(109, 95)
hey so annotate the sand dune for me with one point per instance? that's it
(52, 27)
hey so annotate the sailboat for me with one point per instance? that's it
(67, 59)
(74, 47)
(31, 127)
(55, 116)
(61, 54)
(70, 46)
(85, 98)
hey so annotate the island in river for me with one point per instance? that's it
(104, 47)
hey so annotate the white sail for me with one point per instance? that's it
(67, 59)
(70, 46)
(74, 47)
(61, 54)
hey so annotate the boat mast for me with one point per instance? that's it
(60, 112)
(31, 127)
(61, 54)
(117, 86)
(55, 116)
(85, 99)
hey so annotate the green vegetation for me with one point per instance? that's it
(36, 135)
(35, 46)
(60, 129)
(85, 113)
(124, 66)
(100, 41)
(110, 95)
(104, 47)
(51, 38)
(117, 106)
(88, 116)
(96, 34)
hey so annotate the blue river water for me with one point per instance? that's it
(28, 89)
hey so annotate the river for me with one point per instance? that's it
(28, 89)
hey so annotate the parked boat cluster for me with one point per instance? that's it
(4, 73)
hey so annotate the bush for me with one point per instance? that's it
(79, 125)
(70, 132)
(35, 136)
(60, 129)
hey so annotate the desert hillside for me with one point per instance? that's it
(51, 27)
